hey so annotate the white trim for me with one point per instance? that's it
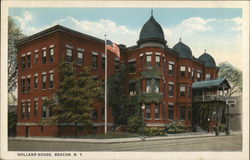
(51, 46)
(29, 53)
(23, 55)
(22, 100)
(27, 124)
(117, 59)
(199, 71)
(28, 76)
(23, 77)
(51, 71)
(156, 124)
(148, 53)
(36, 74)
(170, 103)
(103, 55)
(43, 98)
(35, 99)
(158, 53)
(44, 48)
(94, 53)
(171, 82)
(36, 50)
(28, 100)
(80, 49)
(68, 46)
(44, 73)
(132, 60)
(141, 54)
(170, 62)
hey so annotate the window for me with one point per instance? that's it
(208, 76)
(94, 115)
(170, 111)
(94, 61)
(117, 65)
(132, 89)
(23, 109)
(157, 85)
(51, 80)
(80, 57)
(182, 91)
(131, 67)
(182, 71)
(182, 113)
(28, 61)
(28, 84)
(36, 81)
(189, 91)
(23, 62)
(148, 85)
(44, 57)
(170, 69)
(171, 90)
(36, 57)
(157, 111)
(44, 110)
(158, 60)
(51, 54)
(148, 111)
(28, 110)
(198, 76)
(69, 53)
(23, 85)
(44, 82)
(189, 113)
(148, 60)
(141, 58)
(192, 75)
(35, 107)
(103, 63)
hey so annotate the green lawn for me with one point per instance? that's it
(109, 135)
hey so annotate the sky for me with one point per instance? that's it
(218, 30)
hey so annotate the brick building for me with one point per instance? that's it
(164, 75)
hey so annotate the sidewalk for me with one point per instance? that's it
(123, 140)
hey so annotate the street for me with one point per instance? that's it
(212, 143)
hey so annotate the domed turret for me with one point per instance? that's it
(208, 59)
(151, 34)
(183, 50)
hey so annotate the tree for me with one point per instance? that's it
(233, 75)
(14, 34)
(77, 95)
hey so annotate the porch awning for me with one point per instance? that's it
(216, 84)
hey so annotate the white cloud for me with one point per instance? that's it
(234, 23)
(117, 33)
(193, 24)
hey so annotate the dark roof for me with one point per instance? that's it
(54, 29)
(183, 50)
(212, 84)
(208, 59)
(151, 31)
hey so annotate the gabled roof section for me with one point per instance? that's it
(212, 84)
(55, 29)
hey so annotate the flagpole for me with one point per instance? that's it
(106, 86)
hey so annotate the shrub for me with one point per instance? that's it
(134, 124)
(222, 127)
(176, 127)
(153, 131)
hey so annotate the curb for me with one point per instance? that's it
(117, 140)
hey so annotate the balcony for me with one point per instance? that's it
(207, 98)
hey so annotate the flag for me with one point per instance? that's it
(113, 47)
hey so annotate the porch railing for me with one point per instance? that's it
(206, 98)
